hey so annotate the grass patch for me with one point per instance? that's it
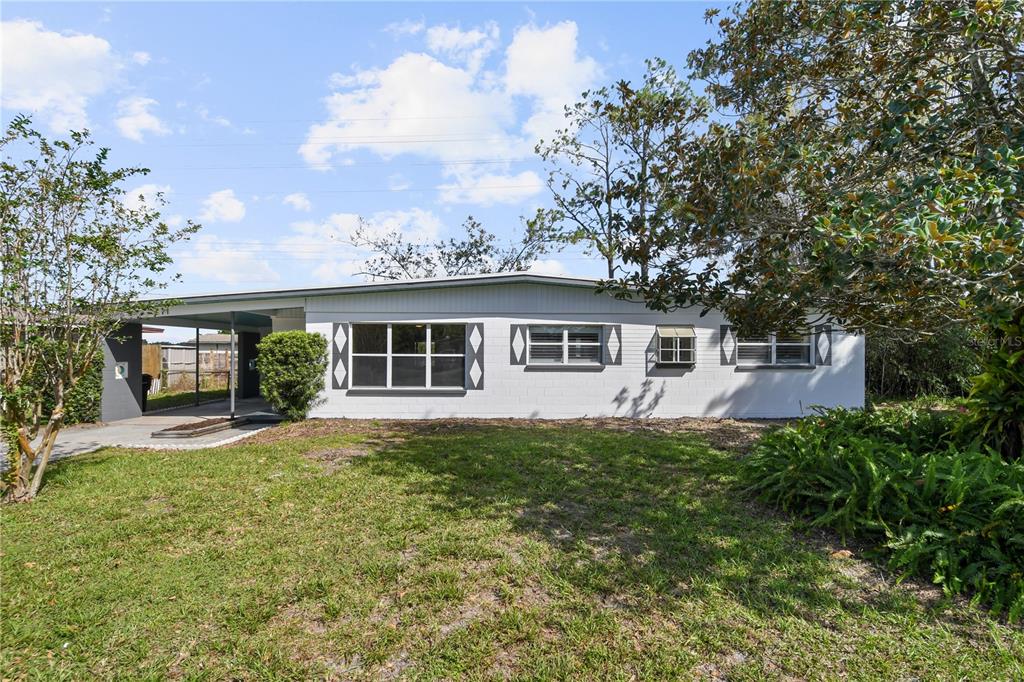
(162, 401)
(439, 552)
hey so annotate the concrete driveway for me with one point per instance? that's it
(137, 432)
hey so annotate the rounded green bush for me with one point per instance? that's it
(292, 366)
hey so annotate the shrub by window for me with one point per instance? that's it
(292, 365)
(408, 355)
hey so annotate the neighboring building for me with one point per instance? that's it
(536, 346)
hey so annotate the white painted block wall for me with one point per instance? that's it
(635, 388)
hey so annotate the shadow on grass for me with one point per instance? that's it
(633, 516)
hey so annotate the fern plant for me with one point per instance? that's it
(934, 504)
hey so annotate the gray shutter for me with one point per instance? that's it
(517, 346)
(474, 356)
(339, 356)
(823, 344)
(612, 344)
(727, 344)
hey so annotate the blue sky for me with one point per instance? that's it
(277, 126)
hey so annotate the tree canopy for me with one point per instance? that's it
(866, 162)
(77, 259)
(609, 168)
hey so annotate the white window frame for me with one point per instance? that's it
(677, 351)
(390, 355)
(564, 343)
(773, 344)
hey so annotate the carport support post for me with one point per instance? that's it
(231, 366)
(197, 366)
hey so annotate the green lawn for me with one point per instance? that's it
(160, 401)
(438, 552)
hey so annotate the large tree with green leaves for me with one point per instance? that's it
(609, 169)
(871, 168)
(76, 258)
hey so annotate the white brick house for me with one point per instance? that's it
(538, 346)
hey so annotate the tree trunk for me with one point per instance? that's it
(31, 463)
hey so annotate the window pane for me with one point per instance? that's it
(369, 338)
(409, 371)
(369, 371)
(584, 353)
(790, 338)
(754, 339)
(667, 356)
(448, 371)
(584, 335)
(667, 342)
(540, 353)
(409, 338)
(754, 355)
(546, 334)
(793, 355)
(448, 338)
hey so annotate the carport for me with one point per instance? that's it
(246, 317)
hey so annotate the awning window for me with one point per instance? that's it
(676, 345)
(679, 332)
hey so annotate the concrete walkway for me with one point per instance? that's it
(137, 432)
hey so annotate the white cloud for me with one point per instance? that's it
(135, 118)
(222, 206)
(544, 64)
(489, 188)
(467, 47)
(406, 27)
(298, 201)
(141, 58)
(548, 266)
(205, 114)
(53, 75)
(448, 106)
(416, 105)
(329, 242)
(212, 258)
(146, 196)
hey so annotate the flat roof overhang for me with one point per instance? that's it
(244, 321)
(253, 309)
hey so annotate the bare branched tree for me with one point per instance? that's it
(477, 252)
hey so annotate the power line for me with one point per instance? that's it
(281, 259)
(363, 190)
(352, 141)
(357, 164)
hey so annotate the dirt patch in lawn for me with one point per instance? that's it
(736, 435)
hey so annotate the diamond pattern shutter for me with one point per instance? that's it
(823, 344)
(727, 344)
(613, 344)
(517, 346)
(475, 356)
(339, 356)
